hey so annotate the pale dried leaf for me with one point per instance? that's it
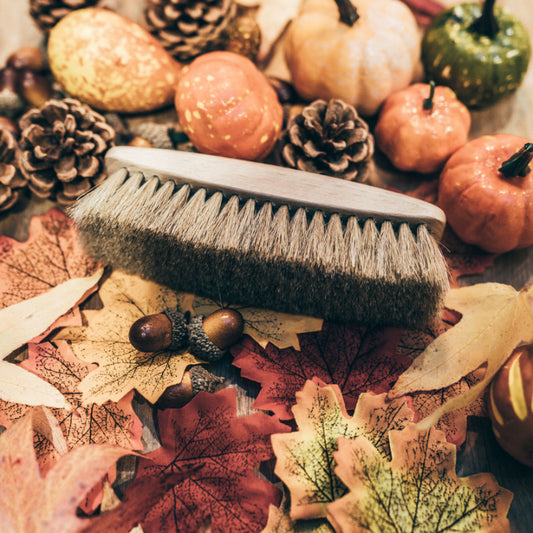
(263, 325)
(495, 320)
(20, 386)
(273, 17)
(21, 322)
(105, 341)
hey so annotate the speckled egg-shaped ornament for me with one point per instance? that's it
(111, 63)
(227, 107)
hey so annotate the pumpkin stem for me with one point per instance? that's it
(347, 12)
(428, 102)
(518, 164)
(486, 24)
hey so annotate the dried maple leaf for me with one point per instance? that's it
(279, 521)
(51, 255)
(105, 341)
(263, 325)
(206, 434)
(495, 319)
(305, 459)
(358, 359)
(417, 490)
(31, 502)
(110, 423)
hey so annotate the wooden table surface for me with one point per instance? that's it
(480, 453)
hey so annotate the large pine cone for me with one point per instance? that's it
(12, 182)
(63, 146)
(47, 13)
(187, 28)
(329, 138)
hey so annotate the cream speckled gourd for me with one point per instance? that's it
(360, 64)
(111, 63)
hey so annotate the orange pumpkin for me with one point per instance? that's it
(420, 127)
(227, 107)
(511, 405)
(486, 191)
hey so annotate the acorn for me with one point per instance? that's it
(28, 58)
(194, 380)
(211, 336)
(162, 331)
(140, 141)
(511, 405)
(11, 103)
(35, 88)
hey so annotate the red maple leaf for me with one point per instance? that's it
(50, 256)
(110, 423)
(207, 435)
(357, 359)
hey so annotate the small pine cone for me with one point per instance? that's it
(329, 138)
(188, 28)
(156, 134)
(63, 146)
(12, 182)
(47, 13)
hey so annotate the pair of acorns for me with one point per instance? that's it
(206, 338)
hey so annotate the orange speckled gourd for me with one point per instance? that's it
(227, 107)
(484, 206)
(420, 127)
(360, 64)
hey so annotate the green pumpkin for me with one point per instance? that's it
(481, 53)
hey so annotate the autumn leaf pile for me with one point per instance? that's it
(355, 428)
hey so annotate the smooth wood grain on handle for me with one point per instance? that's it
(278, 185)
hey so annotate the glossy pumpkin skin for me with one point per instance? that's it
(416, 139)
(483, 206)
(511, 405)
(480, 69)
(227, 107)
(361, 64)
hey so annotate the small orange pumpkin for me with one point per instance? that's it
(227, 107)
(420, 127)
(486, 192)
(511, 405)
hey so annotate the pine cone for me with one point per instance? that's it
(12, 182)
(47, 13)
(63, 146)
(187, 28)
(329, 138)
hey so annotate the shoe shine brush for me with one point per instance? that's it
(267, 236)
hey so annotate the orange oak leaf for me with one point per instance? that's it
(105, 341)
(416, 490)
(50, 256)
(109, 423)
(224, 491)
(357, 359)
(263, 325)
(31, 501)
(305, 460)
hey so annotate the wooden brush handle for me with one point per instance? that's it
(278, 185)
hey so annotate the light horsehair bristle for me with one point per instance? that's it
(254, 253)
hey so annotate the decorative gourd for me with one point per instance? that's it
(511, 405)
(481, 53)
(356, 54)
(420, 127)
(486, 191)
(227, 107)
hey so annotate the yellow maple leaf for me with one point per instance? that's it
(496, 319)
(105, 341)
(263, 325)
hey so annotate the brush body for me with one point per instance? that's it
(265, 236)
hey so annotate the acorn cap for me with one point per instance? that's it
(199, 343)
(179, 331)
